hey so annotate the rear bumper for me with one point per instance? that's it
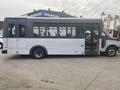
(118, 49)
(4, 51)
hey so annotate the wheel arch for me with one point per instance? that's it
(1, 44)
(112, 46)
(38, 46)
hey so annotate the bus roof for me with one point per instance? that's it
(57, 19)
(25, 17)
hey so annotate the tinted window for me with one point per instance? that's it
(11, 30)
(80, 31)
(62, 31)
(88, 28)
(73, 31)
(39, 30)
(35, 31)
(69, 31)
(21, 31)
(52, 31)
(42, 31)
(96, 28)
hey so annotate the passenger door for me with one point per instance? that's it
(21, 35)
(11, 34)
(92, 39)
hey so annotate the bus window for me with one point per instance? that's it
(62, 31)
(73, 31)
(35, 31)
(96, 28)
(42, 32)
(80, 31)
(21, 31)
(11, 30)
(69, 32)
(52, 32)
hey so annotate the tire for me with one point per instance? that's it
(38, 53)
(1, 45)
(111, 51)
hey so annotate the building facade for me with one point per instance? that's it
(112, 25)
(48, 13)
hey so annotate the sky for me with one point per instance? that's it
(86, 8)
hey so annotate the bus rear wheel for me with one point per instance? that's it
(1, 45)
(111, 51)
(38, 53)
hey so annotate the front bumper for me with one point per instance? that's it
(4, 51)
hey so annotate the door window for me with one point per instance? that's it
(88, 28)
(95, 35)
(11, 30)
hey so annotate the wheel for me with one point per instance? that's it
(111, 51)
(38, 53)
(1, 45)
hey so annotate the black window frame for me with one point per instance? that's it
(37, 24)
(80, 27)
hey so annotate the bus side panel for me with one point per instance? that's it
(11, 45)
(59, 46)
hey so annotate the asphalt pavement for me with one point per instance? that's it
(59, 73)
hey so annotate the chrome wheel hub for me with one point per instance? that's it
(111, 52)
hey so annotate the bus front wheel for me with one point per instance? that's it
(111, 51)
(38, 53)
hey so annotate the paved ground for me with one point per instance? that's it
(59, 73)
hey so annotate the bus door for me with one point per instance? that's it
(11, 32)
(21, 34)
(92, 39)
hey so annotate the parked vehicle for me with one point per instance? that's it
(39, 37)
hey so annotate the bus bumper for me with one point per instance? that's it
(4, 51)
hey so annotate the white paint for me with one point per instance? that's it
(53, 46)
(111, 42)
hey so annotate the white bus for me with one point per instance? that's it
(40, 37)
